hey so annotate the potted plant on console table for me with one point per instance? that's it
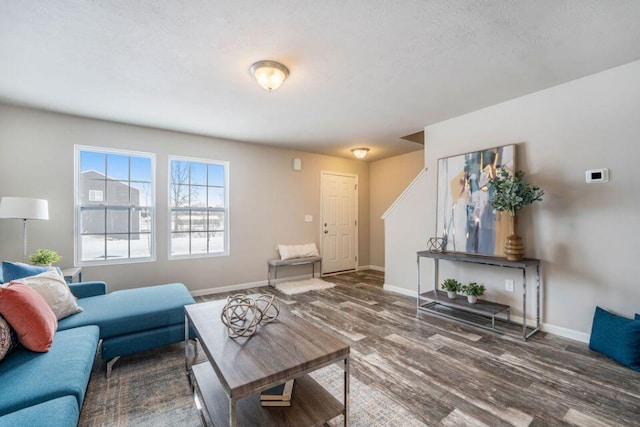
(510, 193)
(473, 291)
(452, 286)
(44, 257)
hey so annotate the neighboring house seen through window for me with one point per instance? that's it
(115, 199)
(198, 203)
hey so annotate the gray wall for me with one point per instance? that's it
(585, 234)
(268, 200)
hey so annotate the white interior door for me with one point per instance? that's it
(338, 224)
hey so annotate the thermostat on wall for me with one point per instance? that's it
(597, 175)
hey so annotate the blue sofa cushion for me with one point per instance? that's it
(29, 378)
(616, 337)
(15, 270)
(132, 310)
(60, 412)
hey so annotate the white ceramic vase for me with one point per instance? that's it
(472, 299)
(452, 294)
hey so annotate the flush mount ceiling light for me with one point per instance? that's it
(269, 74)
(360, 153)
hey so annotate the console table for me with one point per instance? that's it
(428, 300)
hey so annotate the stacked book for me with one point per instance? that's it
(279, 395)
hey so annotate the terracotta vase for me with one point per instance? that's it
(513, 247)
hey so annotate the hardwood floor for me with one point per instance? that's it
(449, 374)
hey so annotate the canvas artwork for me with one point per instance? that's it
(465, 217)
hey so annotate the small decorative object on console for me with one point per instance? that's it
(44, 257)
(242, 313)
(437, 244)
(473, 291)
(452, 286)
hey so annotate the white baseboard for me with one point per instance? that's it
(398, 290)
(371, 267)
(546, 327)
(238, 287)
(242, 286)
(566, 333)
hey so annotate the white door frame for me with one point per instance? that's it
(357, 226)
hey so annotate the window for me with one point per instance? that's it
(198, 204)
(115, 199)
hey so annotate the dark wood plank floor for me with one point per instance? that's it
(450, 374)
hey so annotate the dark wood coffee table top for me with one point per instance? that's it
(286, 348)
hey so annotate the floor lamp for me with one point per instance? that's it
(24, 208)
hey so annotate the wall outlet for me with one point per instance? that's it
(308, 218)
(508, 285)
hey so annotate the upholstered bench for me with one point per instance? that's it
(130, 320)
(275, 263)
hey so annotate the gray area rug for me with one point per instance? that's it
(151, 389)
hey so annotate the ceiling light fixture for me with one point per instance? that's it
(269, 74)
(360, 153)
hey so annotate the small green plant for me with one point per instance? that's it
(44, 257)
(511, 193)
(473, 289)
(451, 285)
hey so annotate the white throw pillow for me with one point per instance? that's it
(55, 291)
(297, 251)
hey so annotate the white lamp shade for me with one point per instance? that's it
(24, 208)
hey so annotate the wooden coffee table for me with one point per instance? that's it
(237, 370)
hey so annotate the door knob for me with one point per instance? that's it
(325, 224)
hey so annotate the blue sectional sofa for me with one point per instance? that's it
(47, 389)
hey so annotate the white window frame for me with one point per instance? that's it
(225, 210)
(77, 206)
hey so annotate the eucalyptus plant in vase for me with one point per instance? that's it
(510, 193)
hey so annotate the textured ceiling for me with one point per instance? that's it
(363, 72)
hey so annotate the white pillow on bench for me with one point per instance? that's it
(297, 251)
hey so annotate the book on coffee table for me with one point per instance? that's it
(280, 393)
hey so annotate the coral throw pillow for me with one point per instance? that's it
(29, 315)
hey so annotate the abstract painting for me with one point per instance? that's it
(465, 216)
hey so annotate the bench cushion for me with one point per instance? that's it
(132, 310)
(60, 412)
(294, 261)
(30, 378)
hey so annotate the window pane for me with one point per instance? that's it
(117, 246)
(141, 245)
(179, 221)
(198, 243)
(143, 219)
(179, 195)
(198, 221)
(117, 221)
(118, 167)
(141, 169)
(92, 189)
(216, 242)
(92, 162)
(118, 193)
(198, 196)
(216, 175)
(216, 221)
(179, 172)
(92, 221)
(216, 197)
(92, 247)
(179, 243)
(198, 174)
(141, 194)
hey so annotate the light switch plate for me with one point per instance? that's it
(508, 285)
(308, 218)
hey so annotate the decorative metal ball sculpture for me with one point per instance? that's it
(242, 314)
(437, 244)
(268, 307)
